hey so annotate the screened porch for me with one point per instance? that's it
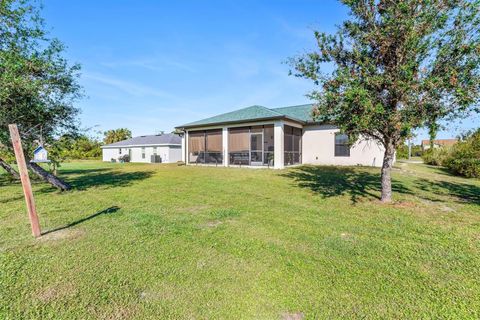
(245, 146)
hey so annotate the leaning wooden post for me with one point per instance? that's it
(27, 187)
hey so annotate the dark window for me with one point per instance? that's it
(342, 147)
(120, 151)
(143, 152)
(292, 145)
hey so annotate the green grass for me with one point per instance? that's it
(173, 242)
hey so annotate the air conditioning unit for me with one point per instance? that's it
(155, 158)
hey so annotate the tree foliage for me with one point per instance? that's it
(397, 66)
(69, 147)
(463, 158)
(37, 85)
(115, 135)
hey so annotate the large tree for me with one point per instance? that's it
(115, 135)
(396, 65)
(37, 85)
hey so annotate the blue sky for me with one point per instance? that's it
(152, 65)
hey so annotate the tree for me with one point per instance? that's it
(397, 66)
(115, 135)
(37, 85)
(77, 147)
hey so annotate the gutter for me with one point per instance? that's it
(187, 126)
(108, 146)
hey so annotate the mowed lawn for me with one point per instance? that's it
(135, 241)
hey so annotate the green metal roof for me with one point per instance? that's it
(301, 113)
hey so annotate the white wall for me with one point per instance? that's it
(175, 154)
(109, 153)
(168, 154)
(318, 147)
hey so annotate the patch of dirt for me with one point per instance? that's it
(212, 224)
(162, 294)
(442, 207)
(345, 235)
(65, 234)
(404, 204)
(118, 313)
(201, 264)
(445, 208)
(194, 209)
(55, 292)
(292, 316)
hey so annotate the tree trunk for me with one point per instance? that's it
(48, 177)
(9, 169)
(386, 174)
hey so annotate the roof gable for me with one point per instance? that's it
(168, 138)
(245, 114)
(39, 149)
(301, 113)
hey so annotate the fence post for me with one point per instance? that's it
(27, 187)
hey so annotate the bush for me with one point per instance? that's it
(124, 158)
(469, 167)
(464, 158)
(436, 156)
(402, 151)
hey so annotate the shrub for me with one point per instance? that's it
(464, 158)
(436, 156)
(124, 158)
(402, 151)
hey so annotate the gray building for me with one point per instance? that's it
(165, 148)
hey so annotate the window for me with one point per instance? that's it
(292, 145)
(143, 152)
(205, 146)
(239, 145)
(119, 150)
(342, 147)
(154, 151)
(251, 145)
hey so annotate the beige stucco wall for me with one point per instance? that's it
(318, 147)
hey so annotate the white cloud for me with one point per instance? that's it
(153, 64)
(128, 87)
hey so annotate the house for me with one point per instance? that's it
(257, 136)
(438, 143)
(40, 154)
(165, 148)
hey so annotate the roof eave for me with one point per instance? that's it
(187, 126)
(139, 145)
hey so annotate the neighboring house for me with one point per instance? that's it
(438, 143)
(166, 148)
(40, 154)
(278, 137)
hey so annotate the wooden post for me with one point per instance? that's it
(27, 187)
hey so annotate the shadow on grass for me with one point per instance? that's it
(6, 180)
(463, 192)
(358, 183)
(337, 181)
(99, 213)
(82, 179)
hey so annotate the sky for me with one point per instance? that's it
(152, 65)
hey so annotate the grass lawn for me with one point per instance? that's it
(140, 241)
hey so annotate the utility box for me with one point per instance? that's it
(155, 158)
